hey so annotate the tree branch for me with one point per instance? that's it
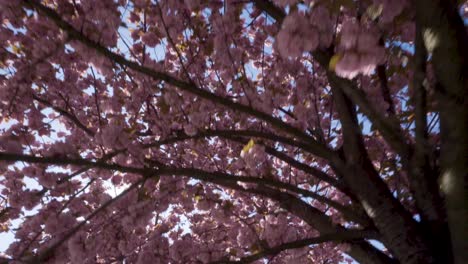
(66, 114)
(388, 126)
(224, 177)
(69, 161)
(341, 236)
(236, 135)
(423, 181)
(271, 9)
(314, 148)
(381, 73)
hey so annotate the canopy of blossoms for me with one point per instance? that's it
(235, 131)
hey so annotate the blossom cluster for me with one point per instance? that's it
(303, 32)
(359, 50)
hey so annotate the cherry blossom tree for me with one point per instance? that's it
(236, 131)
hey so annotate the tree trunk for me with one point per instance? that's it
(446, 38)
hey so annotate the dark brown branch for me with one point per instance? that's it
(313, 148)
(224, 177)
(236, 136)
(66, 114)
(388, 126)
(381, 73)
(423, 181)
(271, 9)
(342, 236)
(69, 161)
